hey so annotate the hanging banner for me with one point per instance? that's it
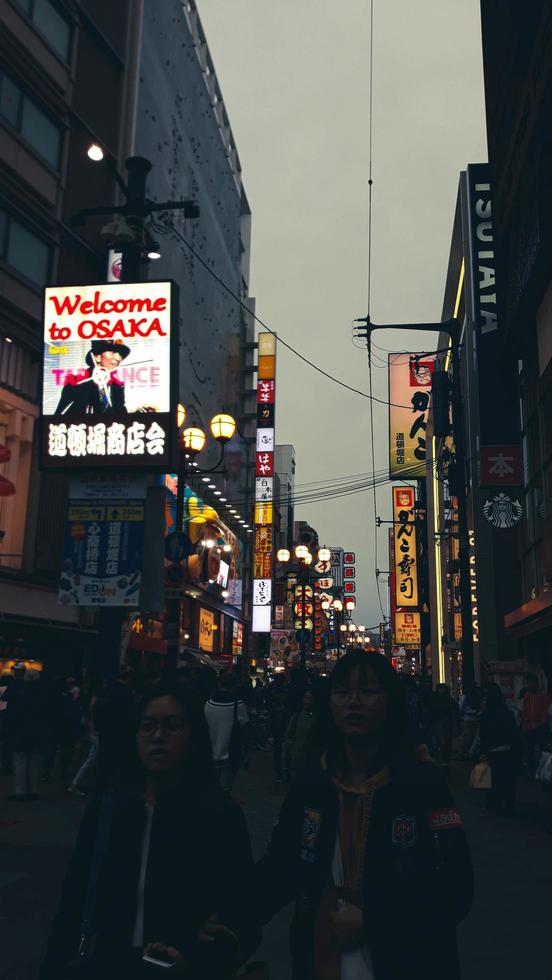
(104, 538)
(406, 558)
(263, 556)
(108, 376)
(409, 397)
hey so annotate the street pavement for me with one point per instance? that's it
(505, 936)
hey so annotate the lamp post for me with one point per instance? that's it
(192, 442)
(303, 557)
(452, 328)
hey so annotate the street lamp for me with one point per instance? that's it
(223, 427)
(324, 554)
(350, 604)
(304, 558)
(283, 555)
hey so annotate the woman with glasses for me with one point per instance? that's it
(158, 867)
(369, 842)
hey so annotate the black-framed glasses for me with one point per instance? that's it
(169, 725)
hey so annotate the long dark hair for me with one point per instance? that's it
(495, 702)
(199, 767)
(396, 747)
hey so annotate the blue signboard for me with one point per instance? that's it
(104, 539)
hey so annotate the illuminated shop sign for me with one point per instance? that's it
(263, 558)
(108, 383)
(406, 559)
(409, 397)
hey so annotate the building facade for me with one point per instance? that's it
(517, 59)
(136, 78)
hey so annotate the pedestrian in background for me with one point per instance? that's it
(500, 746)
(227, 717)
(159, 865)
(26, 734)
(534, 721)
(278, 706)
(72, 725)
(6, 682)
(364, 831)
(87, 769)
(298, 734)
(469, 706)
(445, 723)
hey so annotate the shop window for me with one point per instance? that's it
(51, 23)
(35, 126)
(25, 252)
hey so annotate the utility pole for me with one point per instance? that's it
(452, 328)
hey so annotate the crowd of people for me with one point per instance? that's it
(368, 824)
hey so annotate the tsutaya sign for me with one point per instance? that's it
(263, 557)
(405, 556)
(108, 376)
(409, 396)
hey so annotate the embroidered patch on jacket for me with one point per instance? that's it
(443, 819)
(311, 825)
(403, 832)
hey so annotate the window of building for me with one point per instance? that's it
(35, 126)
(51, 23)
(23, 250)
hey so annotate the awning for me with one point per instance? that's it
(35, 602)
(531, 617)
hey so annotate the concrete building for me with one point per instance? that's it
(285, 469)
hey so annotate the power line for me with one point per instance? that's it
(284, 343)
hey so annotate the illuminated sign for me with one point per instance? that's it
(108, 383)
(408, 629)
(206, 630)
(409, 397)
(263, 558)
(406, 559)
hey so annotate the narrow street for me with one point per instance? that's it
(501, 937)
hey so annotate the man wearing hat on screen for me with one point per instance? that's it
(101, 393)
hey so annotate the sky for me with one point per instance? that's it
(295, 81)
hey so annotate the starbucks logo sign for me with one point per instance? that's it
(503, 511)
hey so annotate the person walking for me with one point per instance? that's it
(278, 706)
(71, 725)
(298, 733)
(158, 866)
(226, 717)
(367, 830)
(89, 765)
(534, 721)
(26, 733)
(469, 707)
(500, 747)
(445, 723)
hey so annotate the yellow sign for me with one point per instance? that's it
(408, 629)
(266, 369)
(206, 630)
(409, 397)
(406, 558)
(263, 513)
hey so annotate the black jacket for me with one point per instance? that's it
(199, 863)
(418, 877)
(84, 397)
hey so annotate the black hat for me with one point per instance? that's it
(101, 346)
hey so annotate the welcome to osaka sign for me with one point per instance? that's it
(108, 391)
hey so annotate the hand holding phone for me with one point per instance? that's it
(160, 955)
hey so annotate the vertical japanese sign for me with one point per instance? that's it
(104, 537)
(263, 557)
(406, 558)
(108, 376)
(392, 585)
(409, 396)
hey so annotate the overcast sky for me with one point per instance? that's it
(294, 76)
